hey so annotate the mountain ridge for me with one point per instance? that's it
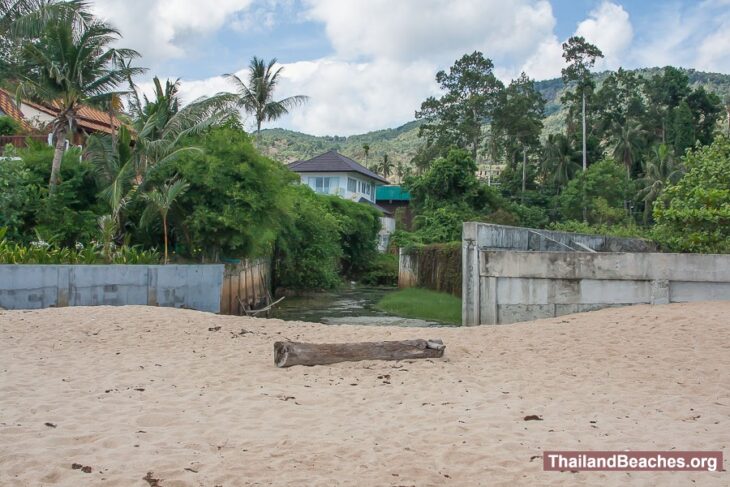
(402, 142)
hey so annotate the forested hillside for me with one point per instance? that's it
(401, 143)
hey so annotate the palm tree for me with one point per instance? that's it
(559, 164)
(160, 200)
(160, 127)
(401, 170)
(385, 167)
(71, 64)
(659, 170)
(366, 149)
(629, 140)
(257, 96)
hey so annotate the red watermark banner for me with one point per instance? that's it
(623, 461)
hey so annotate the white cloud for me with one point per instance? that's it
(433, 30)
(159, 29)
(386, 53)
(609, 28)
(693, 37)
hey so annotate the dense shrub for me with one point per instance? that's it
(42, 252)
(68, 216)
(308, 251)
(602, 189)
(383, 271)
(8, 126)
(358, 225)
(237, 198)
(693, 215)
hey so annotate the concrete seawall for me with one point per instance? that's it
(506, 287)
(180, 286)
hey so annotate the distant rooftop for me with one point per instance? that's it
(392, 193)
(333, 161)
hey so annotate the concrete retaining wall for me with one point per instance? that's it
(180, 286)
(489, 236)
(506, 287)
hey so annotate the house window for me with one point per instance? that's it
(352, 185)
(323, 184)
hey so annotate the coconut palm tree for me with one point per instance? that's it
(160, 127)
(159, 201)
(366, 150)
(256, 96)
(559, 164)
(659, 170)
(68, 65)
(629, 141)
(386, 166)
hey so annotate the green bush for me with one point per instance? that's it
(693, 215)
(383, 271)
(42, 252)
(236, 201)
(8, 126)
(602, 189)
(358, 225)
(308, 252)
(628, 230)
(68, 216)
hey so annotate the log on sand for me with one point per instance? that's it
(287, 354)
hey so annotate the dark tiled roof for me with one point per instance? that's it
(333, 161)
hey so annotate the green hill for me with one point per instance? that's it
(402, 143)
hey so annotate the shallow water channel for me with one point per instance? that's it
(346, 306)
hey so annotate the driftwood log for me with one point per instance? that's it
(287, 354)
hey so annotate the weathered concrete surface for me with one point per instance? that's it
(521, 286)
(180, 286)
(488, 236)
(407, 269)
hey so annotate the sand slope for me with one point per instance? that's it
(133, 390)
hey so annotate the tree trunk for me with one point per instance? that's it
(164, 227)
(585, 157)
(524, 172)
(57, 158)
(287, 354)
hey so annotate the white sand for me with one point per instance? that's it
(134, 390)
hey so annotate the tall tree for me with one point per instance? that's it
(629, 140)
(559, 161)
(386, 166)
(160, 201)
(580, 56)
(683, 128)
(517, 121)
(71, 64)
(457, 117)
(366, 150)
(660, 170)
(256, 96)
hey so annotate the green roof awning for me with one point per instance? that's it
(392, 193)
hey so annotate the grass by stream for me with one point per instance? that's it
(424, 304)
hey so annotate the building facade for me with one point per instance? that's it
(334, 174)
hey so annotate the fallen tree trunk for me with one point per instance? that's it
(287, 354)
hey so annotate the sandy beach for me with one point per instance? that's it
(140, 396)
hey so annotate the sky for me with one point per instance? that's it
(368, 64)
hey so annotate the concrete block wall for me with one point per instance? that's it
(507, 286)
(489, 236)
(180, 286)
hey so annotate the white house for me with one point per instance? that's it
(332, 173)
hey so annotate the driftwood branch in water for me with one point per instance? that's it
(287, 354)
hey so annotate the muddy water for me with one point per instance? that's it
(347, 306)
